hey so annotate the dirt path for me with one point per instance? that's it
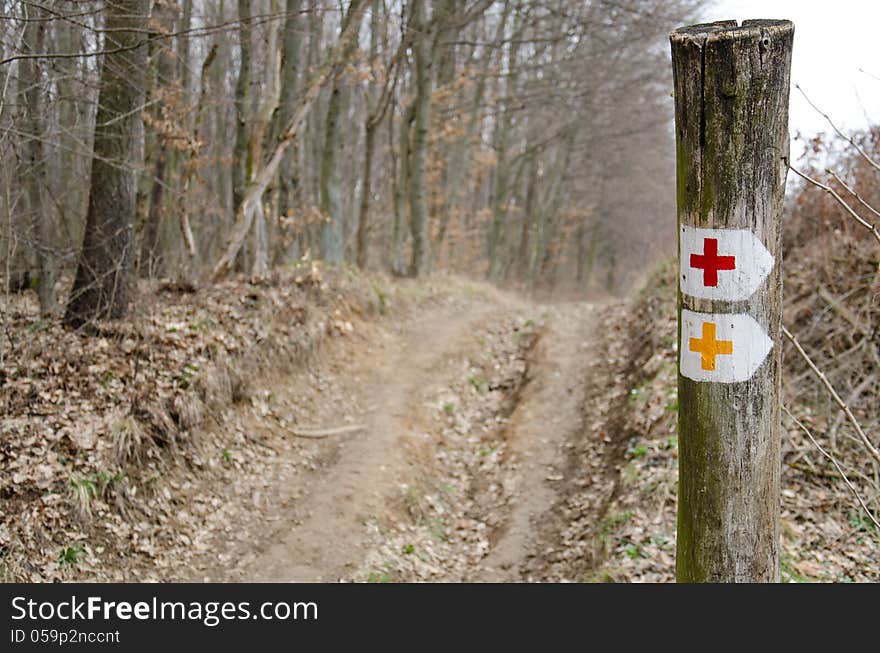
(549, 413)
(393, 379)
(312, 526)
(333, 509)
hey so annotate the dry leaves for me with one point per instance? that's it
(101, 439)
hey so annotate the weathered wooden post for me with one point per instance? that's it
(731, 121)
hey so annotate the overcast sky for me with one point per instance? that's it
(833, 39)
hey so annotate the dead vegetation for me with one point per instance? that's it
(106, 431)
(832, 382)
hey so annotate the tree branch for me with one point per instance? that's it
(824, 379)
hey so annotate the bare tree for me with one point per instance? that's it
(34, 173)
(418, 206)
(333, 229)
(493, 115)
(103, 284)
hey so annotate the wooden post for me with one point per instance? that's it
(731, 120)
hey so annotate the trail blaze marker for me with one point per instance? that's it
(731, 129)
(708, 347)
(721, 347)
(710, 262)
(726, 264)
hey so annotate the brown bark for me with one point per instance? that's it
(241, 171)
(291, 69)
(400, 182)
(371, 124)
(528, 213)
(103, 284)
(35, 171)
(501, 193)
(418, 206)
(163, 14)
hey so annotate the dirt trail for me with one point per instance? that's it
(315, 532)
(308, 519)
(548, 415)
(355, 487)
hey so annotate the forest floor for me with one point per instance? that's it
(329, 426)
(414, 431)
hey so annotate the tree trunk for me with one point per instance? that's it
(447, 33)
(70, 159)
(549, 212)
(333, 229)
(261, 124)
(35, 163)
(291, 66)
(588, 241)
(502, 172)
(183, 54)
(313, 136)
(371, 124)
(400, 182)
(528, 214)
(418, 206)
(150, 259)
(329, 69)
(366, 190)
(329, 189)
(241, 173)
(103, 284)
(17, 268)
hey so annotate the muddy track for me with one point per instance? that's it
(367, 467)
(572, 539)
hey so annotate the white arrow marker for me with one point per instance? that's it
(721, 347)
(726, 264)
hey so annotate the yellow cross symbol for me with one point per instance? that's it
(708, 347)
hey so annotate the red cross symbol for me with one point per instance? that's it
(709, 262)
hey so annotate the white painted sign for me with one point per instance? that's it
(726, 264)
(721, 347)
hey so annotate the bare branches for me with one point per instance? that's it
(869, 446)
(837, 198)
(848, 139)
(149, 35)
(331, 67)
(853, 193)
(74, 55)
(836, 464)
